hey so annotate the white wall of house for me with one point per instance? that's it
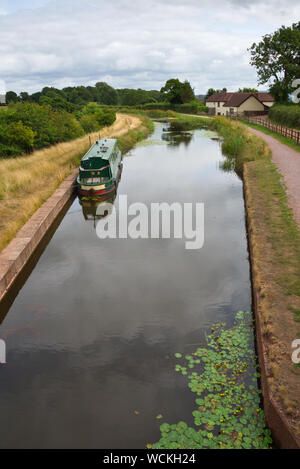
(219, 108)
(251, 104)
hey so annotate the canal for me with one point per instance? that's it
(92, 333)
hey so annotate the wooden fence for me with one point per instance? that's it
(279, 129)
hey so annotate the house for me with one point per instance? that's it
(223, 104)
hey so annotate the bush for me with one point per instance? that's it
(89, 123)
(18, 132)
(286, 114)
(105, 117)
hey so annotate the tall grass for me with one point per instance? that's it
(239, 146)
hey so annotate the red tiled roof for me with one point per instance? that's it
(216, 97)
(236, 99)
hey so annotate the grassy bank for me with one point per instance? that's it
(128, 140)
(275, 241)
(27, 182)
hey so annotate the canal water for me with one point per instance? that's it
(91, 335)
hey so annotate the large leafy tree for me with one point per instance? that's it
(277, 60)
(11, 97)
(176, 92)
(106, 94)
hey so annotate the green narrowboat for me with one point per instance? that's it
(100, 169)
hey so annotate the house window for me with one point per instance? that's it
(218, 103)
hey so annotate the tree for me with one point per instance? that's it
(24, 96)
(248, 90)
(20, 135)
(277, 60)
(210, 92)
(106, 94)
(11, 97)
(176, 92)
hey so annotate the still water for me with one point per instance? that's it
(92, 334)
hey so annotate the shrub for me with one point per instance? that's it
(284, 114)
(89, 123)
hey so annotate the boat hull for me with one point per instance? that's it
(93, 191)
(100, 190)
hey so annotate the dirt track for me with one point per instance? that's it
(288, 162)
(122, 124)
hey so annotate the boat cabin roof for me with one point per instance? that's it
(101, 149)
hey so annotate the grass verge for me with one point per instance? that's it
(28, 181)
(275, 242)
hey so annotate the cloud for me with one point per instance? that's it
(135, 44)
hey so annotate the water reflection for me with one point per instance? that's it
(175, 139)
(90, 207)
(92, 334)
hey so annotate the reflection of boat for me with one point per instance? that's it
(90, 207)
(100, 169)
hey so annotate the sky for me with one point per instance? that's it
(134, 44)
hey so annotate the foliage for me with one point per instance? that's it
(287, 115)
(210, 92)
(11, 97)
(239, 146)
(18, 132)
(193, 107)
(106, 94)
(73, 98)
(132, 97)
(248, 90)
(105, 117)
(127, 141)
(176, 92)
(228, 413)
(277, 60)
(25, 126)
(89, 123)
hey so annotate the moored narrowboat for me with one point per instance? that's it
(100, 168)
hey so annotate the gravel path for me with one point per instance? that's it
(288, 162)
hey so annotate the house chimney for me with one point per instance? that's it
(224, 90)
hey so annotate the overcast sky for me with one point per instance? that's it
(134, 43)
